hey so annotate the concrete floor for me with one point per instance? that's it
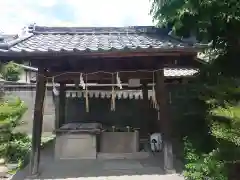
(122, 169)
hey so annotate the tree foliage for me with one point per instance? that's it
(11, 111)
(215, 21)
(213, 99)
(11, 71)
(208, 19)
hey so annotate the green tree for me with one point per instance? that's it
(215, 21)
(215, 94)
(11, 111)
(11, 71)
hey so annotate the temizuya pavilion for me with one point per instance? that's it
(71, 55)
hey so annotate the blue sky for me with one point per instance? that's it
(15, 14)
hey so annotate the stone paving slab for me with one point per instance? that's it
(142, 177)
(122, 165)
(90, 170)
(120, 169)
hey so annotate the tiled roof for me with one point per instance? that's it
(63, 39)
(179, 72)
(5, 38)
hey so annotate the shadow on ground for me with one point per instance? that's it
(151, 167)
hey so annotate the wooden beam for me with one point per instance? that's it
(165, 121)
(109, 87)
(37, 122)
(148, 81)
(79, 63)
(141, 53)
(91, 76)
(104, 88)
(125, 76)
(152, 53)
(102, 64)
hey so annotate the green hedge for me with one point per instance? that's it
(11, 111)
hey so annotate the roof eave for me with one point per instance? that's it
(117, 53)
(4, 47)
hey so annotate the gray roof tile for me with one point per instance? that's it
(180, 72)
(4, 38)
(62, 39)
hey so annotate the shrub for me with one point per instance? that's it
(11, 111)
(203, 166)
(11, 71)
(18, 148)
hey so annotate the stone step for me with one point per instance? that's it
(3, 171)
(2, 161)
(136, 155)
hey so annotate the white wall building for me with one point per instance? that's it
(28, 74)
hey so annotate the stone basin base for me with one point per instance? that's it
(106, 145)
(75, 146)
(119, 142)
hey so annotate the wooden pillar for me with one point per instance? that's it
(165, 121)
(61, 105)
(37, 122)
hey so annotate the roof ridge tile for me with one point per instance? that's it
(95, 30)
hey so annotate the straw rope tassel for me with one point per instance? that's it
(86, 97)
(82, 81)
(119, 81)
(154, 100)
(55, 92)
(113, 103)
(158, 113)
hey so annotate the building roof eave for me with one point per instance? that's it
(58, 41)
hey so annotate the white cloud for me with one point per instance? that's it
(46, 3)
(112, 12)
(15, 14)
